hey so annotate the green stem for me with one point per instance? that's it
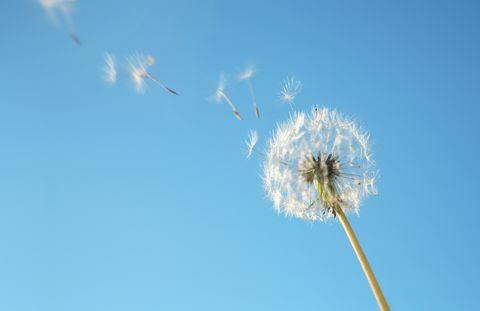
(372, 280)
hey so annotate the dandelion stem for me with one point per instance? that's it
(377, 291)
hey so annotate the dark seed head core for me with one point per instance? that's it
(323, 170)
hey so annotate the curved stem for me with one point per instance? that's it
(377, 291)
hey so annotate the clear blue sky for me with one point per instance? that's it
(110, 200)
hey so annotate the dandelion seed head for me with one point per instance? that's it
(247, 73)
(318, 162)
(109, 69)
(251, 142)
(290, 89)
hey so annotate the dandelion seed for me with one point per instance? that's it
(290, 89)
(251, 142)
(138, 66)
(109, 69)
(220, 94)
(327, 167)
(64, 8)
(246, 75)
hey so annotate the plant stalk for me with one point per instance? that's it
(377, 291)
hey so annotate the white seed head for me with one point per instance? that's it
(316, 163)
(290, 89)
(110, 69)
(251, 142)
(137, 65)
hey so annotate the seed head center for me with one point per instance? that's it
(324, 170)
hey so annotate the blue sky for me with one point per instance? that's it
(110, 200)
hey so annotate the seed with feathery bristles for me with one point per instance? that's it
(290, 89)
(220, 94)
(316, 163)
(64, 7)
(138, 66)
(246, 75)
(110, 69)
(251, 142)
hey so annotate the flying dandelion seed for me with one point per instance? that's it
(220, 94)
(251, 142)
(64, 8)
(317, 165)
(246, 75)
(109, 69)
(138, 66)
(290, 89)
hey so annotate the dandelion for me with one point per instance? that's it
(290, 89)
(220, 94)
(109, 69)
(317, 166)
(251, 142)
(245, 76)
(138, 68)
(64, 7)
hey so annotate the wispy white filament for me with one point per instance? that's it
(220, 94)
(321, 132)
(52, 6)
(290, 89)
(251, 142)
(246, 75)
(110, 69)
(138, 65)
(64, 8)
